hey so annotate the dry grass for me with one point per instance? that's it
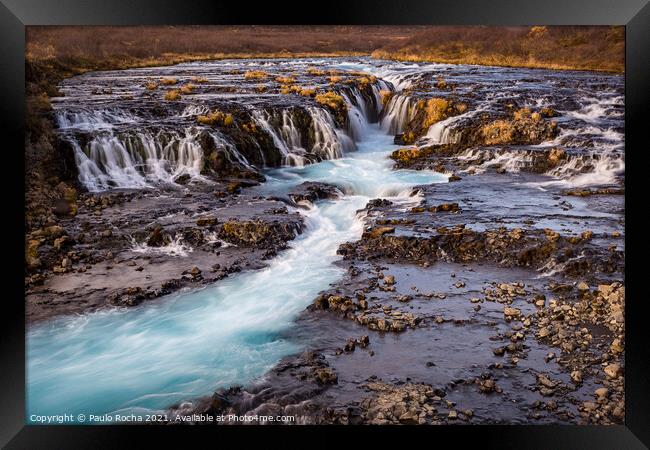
(216, 118)
(331, 100)
(554, 47)
(256, 75)
(187, 88)
(436, 109)
(285, 80)
(498, 132)
(172, 95)
(83, 48)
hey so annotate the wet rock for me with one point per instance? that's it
(312, 191)
(325, 375)
(206, 221)
(158, 238)
(350, 345)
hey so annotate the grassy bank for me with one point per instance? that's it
(579, 48)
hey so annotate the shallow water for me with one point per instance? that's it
(187, 345)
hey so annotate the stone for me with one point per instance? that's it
(325, 376)
(389, 279)
(601, 392)
(612, 370)
(576, 376)
(511, 312)
(582, 286)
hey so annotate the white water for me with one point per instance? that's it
(189, 344)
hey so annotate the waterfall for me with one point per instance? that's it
(137, 159)
(329, 141)
(397, 113)
(287, 138)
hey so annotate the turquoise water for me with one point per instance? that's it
(186, 345)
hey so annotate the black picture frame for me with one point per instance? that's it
(16, 14)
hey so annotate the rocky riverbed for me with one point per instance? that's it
(496, 296)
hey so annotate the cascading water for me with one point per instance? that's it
(148, 358)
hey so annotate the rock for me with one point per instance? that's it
(576, 376)
(380, 231)
(453, 415)
(509, 312)
(389, 279)
(582, 286)
(487, 386)
(363, 341)
(325, 375)
(206, 221)
(157, 238)
(612, 370)
(499, 351)
(350, 345)
(546, 382)
(601, 392)
(182, 179)
(409, 418)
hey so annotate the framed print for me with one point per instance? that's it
(406, 217)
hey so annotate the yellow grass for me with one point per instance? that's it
(331, 99)
(256, 75)
(172, 94)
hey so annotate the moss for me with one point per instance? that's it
(172, 94)
(331, 100)
(169, 81)
(256, 75)
(333, 79)
(152, 85)
(315, 71)
(199, 80)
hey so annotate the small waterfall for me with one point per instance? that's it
(287, 138)
(92, 120)
(137, 159)
(356, 117)
(397, 113)
(230, 150)
(329, 141)
(442, 132)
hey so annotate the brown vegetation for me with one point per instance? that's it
(554, 47)
(172, 94)
(331, 100)
(216, 118)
